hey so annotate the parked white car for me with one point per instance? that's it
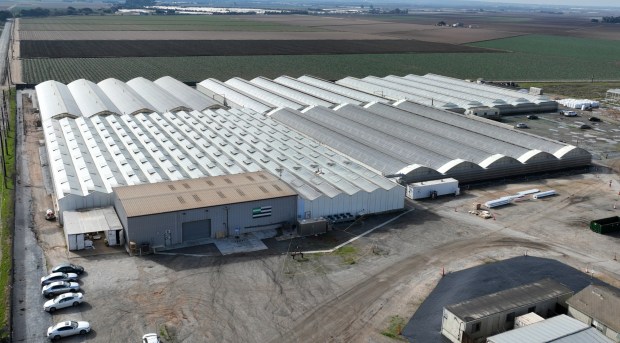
(53, 277)
(62, 301)
(68, 328)
(59, 287)
(150, 338)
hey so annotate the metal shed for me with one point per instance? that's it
(79, 226)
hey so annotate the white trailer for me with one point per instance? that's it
(433, 188)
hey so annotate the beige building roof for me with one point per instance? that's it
(600, 303)
(171, 196)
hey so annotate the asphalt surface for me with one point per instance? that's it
(29, 325)
(425, 325)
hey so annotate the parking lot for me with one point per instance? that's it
(349, 295)
(602, 139)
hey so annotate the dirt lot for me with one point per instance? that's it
(347, 296)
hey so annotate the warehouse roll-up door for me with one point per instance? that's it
(199, 229)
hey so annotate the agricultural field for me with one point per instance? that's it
(556, 59)
(155, 23)
(576, 24)
(248, 46)
(179, 48)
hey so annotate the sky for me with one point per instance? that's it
(577, 3)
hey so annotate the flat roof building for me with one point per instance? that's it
(598, 306)
(475, 319)
(560, 329)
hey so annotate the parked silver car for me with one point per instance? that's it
(67, 328)
(59, 287)
(62, 301)
(53, 277)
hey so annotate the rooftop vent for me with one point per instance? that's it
(240, 192)
(172, 188)
(262, 188)
(197, 198)
(181, 200)
(221, 194)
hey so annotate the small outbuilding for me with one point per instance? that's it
(613, 95)
(81, 227)
(179, 213)
(474, 320)
(598, 306)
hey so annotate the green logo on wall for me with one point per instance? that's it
(259, 212)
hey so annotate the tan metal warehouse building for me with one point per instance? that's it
(176, 213)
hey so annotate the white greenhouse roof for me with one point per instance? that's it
(316, 91)
(95, 154)
(232, 97)
(190, 96)
(114, 133)
(91, 99)
(55, 100)
(297, 95)
(83, 98)
(273, 99)
(156, 96)
(406, 138)
(124, 97)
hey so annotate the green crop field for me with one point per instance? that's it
(531, 58)
(155, 23)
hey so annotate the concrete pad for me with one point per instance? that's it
(265, 234)
(245, 243)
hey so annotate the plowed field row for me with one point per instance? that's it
(168, 48)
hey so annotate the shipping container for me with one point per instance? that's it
(606, 225)
(309, 227)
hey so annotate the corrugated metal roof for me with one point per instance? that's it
(93, 220)
(211, 191)
(558, 329)
(484, 306)
(599, 302)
